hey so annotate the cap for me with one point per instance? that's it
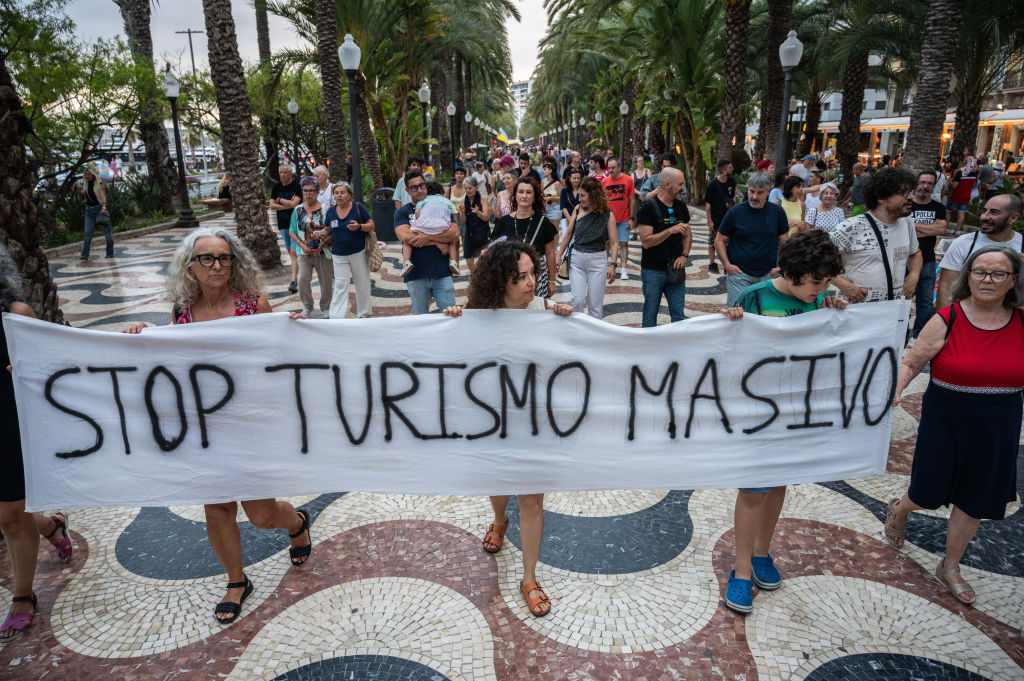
(808, 157)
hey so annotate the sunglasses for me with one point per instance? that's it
(414, 187)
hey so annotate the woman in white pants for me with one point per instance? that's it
(349, 222)
(590, 233)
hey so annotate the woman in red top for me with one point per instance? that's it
(214, 276)
(967, 442)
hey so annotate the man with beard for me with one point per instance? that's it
(997, 218)
(929, 218)
(881, 255)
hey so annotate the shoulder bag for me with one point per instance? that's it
(563, 269)
(374, 256)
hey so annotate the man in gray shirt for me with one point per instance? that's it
(857, 190)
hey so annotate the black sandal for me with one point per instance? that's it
(296, 552)
(234, 609)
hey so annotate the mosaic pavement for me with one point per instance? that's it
(399, 588)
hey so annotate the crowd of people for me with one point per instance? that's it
(520, 220)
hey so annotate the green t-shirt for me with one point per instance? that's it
(765, 299)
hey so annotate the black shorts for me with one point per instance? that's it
(12, 487)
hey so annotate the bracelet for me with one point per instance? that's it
(613, 264)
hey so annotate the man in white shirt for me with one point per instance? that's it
(997, 218)
(881, 256)
(803, 168)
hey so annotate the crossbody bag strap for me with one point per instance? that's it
(885, 256)
(974, 242)
(534, 238)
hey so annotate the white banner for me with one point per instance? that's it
(493, 402)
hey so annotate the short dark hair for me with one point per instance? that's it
(780, 177)
(667, 156)
(935, 175)
(1015, 204)
(722, 163)
(434, 187)
(525, 156)
(411, 175)
(790, 184)
(810, 254)
(414, 159)
(598, 159)
(885, 183)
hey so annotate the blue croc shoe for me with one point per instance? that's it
(766, 576)
(739, 597)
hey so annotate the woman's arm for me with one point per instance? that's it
(549, 257)
(613, 239)
(567, 239)
(102, 195)
(928, 344)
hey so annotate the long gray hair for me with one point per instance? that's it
(961, 285)
(10, 281)
(182, 284)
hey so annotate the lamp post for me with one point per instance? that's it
(293, 110)
(790, 52)
(349, 55)
(476, 130)
(185, 217)
(623, 110)
(794, 136)
(583, 132)
(450, 110)
(597, 125)
(424, 95)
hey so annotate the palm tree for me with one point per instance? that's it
(330, 76)
(136, 15)
(737, 21)
(19, 230)
(237, 136)
(780, 14)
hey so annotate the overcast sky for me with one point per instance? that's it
(96, 19)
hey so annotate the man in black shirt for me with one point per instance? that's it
(663, 222)
(719, 197)
(524, 168)
(929, 218)
(575, 162)
(284, 196)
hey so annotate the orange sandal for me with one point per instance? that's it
(491, 546)
(534, 603)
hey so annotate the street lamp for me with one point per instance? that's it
(469, 130)
(424, 94)
(793, 136)
(293, 110)
(623, 111)
(185, 217)
(450, 110)
(349, 55)
(790, 52)
(476, 129)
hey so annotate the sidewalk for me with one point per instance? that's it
(398, 587)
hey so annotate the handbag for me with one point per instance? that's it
(374, 256)
(563, 269)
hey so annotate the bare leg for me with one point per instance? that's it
(903, 508)
(295, 263)
(531, 531)
(226, 540)
(22, 537)
(750, 507)
(962, 529)
(271, 514)
(624, 254)
(471, 264)
(769, 518)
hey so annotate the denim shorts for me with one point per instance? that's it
(956, 206)
(286, 236)
(623, 231)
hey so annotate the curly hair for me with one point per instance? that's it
(184, 287)
(595, 190)
(497, 267)
(10, 281)
(810, 254)
(885, 183)
(538, 198)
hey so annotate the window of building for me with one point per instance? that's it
(880, 105)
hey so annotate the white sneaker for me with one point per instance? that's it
(305, 313)
(624, 275)
(406, 268)
(453, 267)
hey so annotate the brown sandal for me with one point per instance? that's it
(491, 546)
(534, 604)
(893, 533)
(956, 588)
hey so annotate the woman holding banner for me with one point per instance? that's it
(21, 530)
(968, 440)
(214, 276)
(506, 278)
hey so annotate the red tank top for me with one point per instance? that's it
(980, 360)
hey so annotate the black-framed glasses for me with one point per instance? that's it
(414, 187)
(998, 276)
(207, 259)
(309, 190)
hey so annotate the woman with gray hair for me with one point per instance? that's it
(214, 276)
(968, 440)
(311, 241)
(21, 530)
(349, 222)
(827, 214)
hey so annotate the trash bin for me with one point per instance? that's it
(383, 213)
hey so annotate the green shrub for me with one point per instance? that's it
(740, 159)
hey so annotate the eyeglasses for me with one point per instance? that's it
(309, 191)
(997, 276)
(414, 187)
(207, 259)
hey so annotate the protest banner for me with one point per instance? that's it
(492, 402)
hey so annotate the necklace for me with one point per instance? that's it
(515, 226)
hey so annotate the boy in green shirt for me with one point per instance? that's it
(807, 263)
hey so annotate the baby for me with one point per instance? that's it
(434, 215)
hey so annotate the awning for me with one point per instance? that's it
(1004, 117)
(887, 123)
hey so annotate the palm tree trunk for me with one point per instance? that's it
(965, 132)
(19, 224)
(780, 13)
(369, 153)
(444, 123)
(811, 126)
(761, 142)
(330, 76)
(941, 33)
(262, 31)
(854, 79)
(737, 21)
(136, 14)
(657, 140)
(639, 127)
(238, 138)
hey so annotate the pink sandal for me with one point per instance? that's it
(64, 547)
(17, 623)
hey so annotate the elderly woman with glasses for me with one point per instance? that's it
(969, 437)
(312, 241)
(214, 276)
(827, 214)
